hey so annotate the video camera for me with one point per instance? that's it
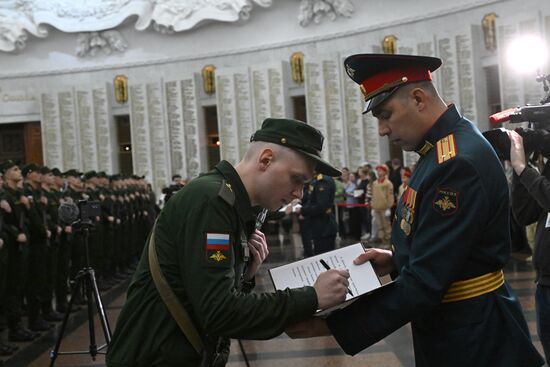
(536, 138)
(88, 210)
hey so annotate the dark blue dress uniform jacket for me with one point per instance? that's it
(318, 210)
(458, 229)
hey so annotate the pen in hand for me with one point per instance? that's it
(325, 265)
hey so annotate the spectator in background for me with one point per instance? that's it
(394, 176)
(354, 213)
(362, 198)
(406, 174)
(382, 201)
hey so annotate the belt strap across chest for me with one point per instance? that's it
(470, 288)
(172, 302)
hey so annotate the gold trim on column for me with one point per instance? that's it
(297, 67)
(389, 44)
(120, 84)
(209, 79)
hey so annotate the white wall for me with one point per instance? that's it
(271, 34)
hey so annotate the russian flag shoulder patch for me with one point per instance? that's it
(217, 249)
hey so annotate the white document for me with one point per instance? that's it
(362, 280)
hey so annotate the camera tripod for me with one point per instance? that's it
(86, 278)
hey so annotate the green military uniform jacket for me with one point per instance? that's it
(451, 224)
(198, 244)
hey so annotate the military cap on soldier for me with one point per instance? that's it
(6, 165)
(72, 173)
(28, 168)
(56, 172)
(90, 174)
(44, 170)
(102, 174)
(296, 135)
(380, 75)
(114, 177)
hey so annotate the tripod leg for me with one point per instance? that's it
(91, 327)
(241, 346)
(76, 287)
(100, 309)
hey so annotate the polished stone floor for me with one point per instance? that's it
(393, 351)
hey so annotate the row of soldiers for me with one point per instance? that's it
(40, 252)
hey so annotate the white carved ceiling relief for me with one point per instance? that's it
(316, 10)
(90, 44)
(98, 17)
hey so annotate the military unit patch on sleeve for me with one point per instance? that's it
(446, 148)
(445, 201)
(218, 249)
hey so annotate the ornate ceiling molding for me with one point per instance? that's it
(20, 17)
(17, 17)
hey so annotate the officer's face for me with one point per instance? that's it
(398, 120)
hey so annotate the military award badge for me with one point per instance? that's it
(407, 211)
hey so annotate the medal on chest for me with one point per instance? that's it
(407, 210)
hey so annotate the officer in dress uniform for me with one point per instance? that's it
(450, 237)
(203, 238)
(319, 212)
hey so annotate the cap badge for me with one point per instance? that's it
(283, 140)
(350, 71)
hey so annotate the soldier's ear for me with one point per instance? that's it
(420, 98)
(265, 158)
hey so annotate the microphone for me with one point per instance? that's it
(68, 213)
(501, 116)
(539, 113)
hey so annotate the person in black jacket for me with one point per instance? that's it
(530, 204)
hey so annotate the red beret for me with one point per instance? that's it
(383, 167)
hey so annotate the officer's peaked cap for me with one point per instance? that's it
(296, 135)
(380, 75)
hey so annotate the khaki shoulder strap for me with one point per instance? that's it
(172, 302)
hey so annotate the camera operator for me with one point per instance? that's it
(530, 203)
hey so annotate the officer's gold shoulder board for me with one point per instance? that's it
(445, 148)
(445, 201)
(217, 250)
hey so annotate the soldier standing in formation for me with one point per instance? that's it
(39, 254)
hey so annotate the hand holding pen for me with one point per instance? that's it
(325, 265)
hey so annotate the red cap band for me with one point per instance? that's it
(387, 79)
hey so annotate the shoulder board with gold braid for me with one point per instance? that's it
(445, 148)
